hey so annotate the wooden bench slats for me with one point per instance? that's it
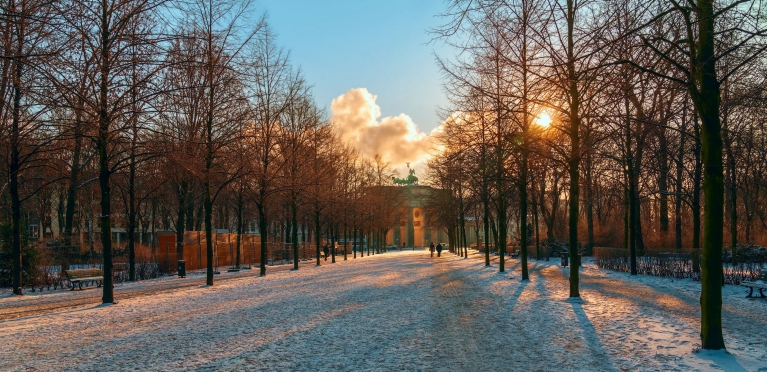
(760, 286)
(84, 275)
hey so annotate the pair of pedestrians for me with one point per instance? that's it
(438, 248)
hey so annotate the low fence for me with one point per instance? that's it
(677, 264)
(225, 254)
(153, 261)
(532, 252)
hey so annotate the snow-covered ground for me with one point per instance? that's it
(396, 311)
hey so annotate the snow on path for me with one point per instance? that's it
(396, 311)
(42, 302)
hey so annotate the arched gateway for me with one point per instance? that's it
(406, 209)
(415, 228)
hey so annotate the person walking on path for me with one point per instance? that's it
(327, 251)
(439, 250)
(431, 249)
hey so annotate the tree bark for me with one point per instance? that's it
(102, 143)
(354, 241)
(697, 182)
(182, 194)
(14, 169)
(523, 213)
(263, 232)
(239, 226)
(732, 187)
(132, 214)
(575, 148)
(589, 205)
(318, 232)
(663, 182)
(679, 179)
(294, 219)
(486, 209)
(74, 178)
(346, 240)
(708, 105)
(332, 244)
(208, 233)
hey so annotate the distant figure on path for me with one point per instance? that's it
(431, 249)
(439, 250)
(327, 251)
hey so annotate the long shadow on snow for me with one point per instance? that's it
(590, 336)
(374, 297)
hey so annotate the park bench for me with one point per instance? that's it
(78, 277)
(760, 284)
(515, 254)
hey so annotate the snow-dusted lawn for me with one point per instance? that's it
(396, 311)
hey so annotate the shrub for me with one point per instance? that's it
(29, 259)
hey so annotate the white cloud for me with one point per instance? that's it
(355, 115)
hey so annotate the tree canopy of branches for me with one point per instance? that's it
(641, 105)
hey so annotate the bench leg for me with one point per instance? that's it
(750, 292)
(761, 293)
(73, 286)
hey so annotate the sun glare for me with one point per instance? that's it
(543, 120)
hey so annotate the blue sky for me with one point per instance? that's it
(378, 45)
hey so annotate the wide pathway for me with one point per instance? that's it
(396, 311)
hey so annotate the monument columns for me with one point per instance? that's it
(410, 229)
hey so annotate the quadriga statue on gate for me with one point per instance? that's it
(410, 180)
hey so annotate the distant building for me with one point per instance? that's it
(414, 229)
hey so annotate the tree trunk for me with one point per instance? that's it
(486, 209)
(523, 214)
(633, 218)
(346, 240)
(679, 179)
(707, 103)
(190, 216)
(626, 214)
(74, 178)
(239, 228)
(589, 205)
(462, 223)
(663, 183)
(501, 214)
(182, 195)
(102, 143)
(697, 181)
(263, 232)
(732, 188)
(332, 244)
(294, 219)
(209, 233)
(537, 232)
(318, 232)
(630, 228)
(132, 214)
(13, 187)
(465, 251)
(354, 241)
(575, 148)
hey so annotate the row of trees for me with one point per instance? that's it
(621, 115)
(153, 114)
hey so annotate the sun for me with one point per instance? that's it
(543, 120)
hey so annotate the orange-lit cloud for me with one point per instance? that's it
(355, 115)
